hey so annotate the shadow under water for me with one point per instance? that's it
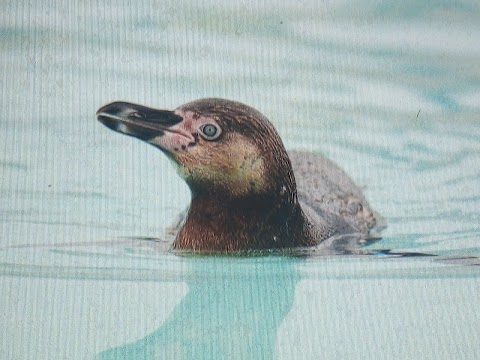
(231, 314)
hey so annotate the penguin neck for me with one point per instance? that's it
(223, 224)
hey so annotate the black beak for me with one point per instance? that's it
(137, 120)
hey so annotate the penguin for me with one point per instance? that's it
(247, 192)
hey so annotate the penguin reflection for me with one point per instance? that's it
(233, 310)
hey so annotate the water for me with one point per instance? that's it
(389, 91)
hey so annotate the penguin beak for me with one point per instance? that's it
(137, 120)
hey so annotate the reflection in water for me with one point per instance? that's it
(233, 314)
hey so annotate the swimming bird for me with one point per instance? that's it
(247, 192)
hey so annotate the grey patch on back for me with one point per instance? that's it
(330, 199)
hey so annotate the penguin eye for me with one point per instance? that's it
(210, 131)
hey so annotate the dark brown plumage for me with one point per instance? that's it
(244, 193)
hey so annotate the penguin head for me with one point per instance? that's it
(218, 146)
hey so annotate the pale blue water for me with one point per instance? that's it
(388, 90)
